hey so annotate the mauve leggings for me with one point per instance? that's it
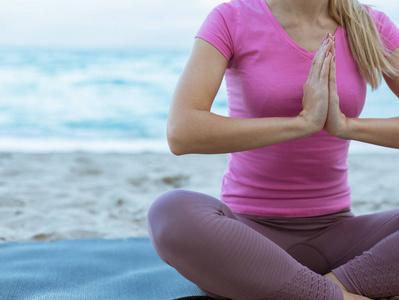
(230, 255)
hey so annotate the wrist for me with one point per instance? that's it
(306, 125)
(347, 130)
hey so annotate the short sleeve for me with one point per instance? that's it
(219, 28)
(389, 32)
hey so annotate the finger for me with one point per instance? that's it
(318, 54)
(326, 70)
(333, 77)
(333, 43)
(323, 56)
(318, 60)
(315, 59)
(332, 38)
(333, 49)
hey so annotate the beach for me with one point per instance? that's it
(79, 195)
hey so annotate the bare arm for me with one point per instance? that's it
(192, 128)
(382, 132)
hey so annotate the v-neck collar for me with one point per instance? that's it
(285, 35)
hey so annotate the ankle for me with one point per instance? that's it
(347, 295)
(334, 279)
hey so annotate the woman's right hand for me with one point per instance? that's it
(315, 90)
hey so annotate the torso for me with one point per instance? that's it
(269, 62)
(306, 35)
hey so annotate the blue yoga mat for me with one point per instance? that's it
(90, 269)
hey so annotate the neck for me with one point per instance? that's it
(309, 10)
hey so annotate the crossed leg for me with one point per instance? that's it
(361, 251)
(203, 239)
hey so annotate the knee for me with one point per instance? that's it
(167, 207)
(167, 218)
(179, 219)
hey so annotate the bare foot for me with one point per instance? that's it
(347, 295)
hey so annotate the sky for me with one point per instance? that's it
(114, 23)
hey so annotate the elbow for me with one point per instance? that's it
(176, 149)
(177, 141)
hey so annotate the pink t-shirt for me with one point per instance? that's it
(265, 77)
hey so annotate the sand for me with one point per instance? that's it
(49, 197)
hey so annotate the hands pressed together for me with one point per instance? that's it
(320, 99)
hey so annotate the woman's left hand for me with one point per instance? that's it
(336, 123)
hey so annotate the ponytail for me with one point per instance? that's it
(372, 58)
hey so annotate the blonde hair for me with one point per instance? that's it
(372, 58)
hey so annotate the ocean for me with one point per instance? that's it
(105, 100)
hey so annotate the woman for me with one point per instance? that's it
(284, 217)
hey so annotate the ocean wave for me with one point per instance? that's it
(84, 96)
(54, 145)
